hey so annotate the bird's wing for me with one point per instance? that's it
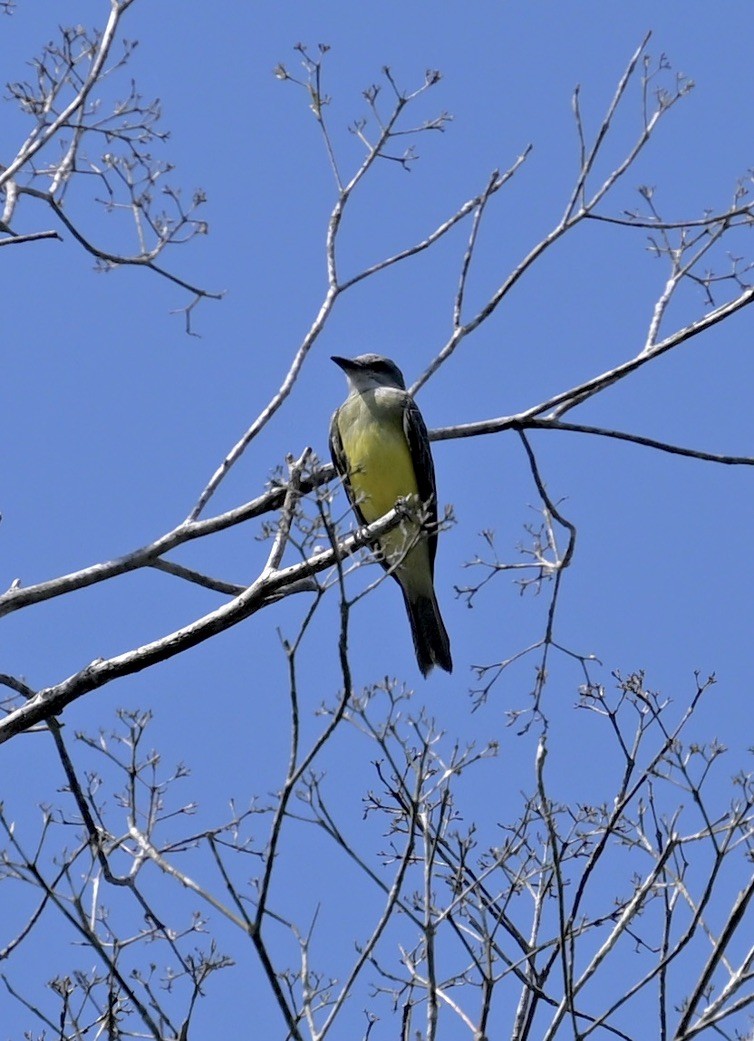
(340, 463)
(415, 430)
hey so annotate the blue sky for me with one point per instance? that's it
(114, 419)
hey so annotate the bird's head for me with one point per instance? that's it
(369, 371)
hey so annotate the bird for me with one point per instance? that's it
(380, 447)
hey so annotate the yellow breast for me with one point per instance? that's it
(380, 468)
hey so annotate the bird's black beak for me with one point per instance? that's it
(346, 364)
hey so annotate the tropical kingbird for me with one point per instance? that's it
(380, 446)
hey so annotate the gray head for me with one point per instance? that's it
(368, 371)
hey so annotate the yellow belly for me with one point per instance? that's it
(381, 471)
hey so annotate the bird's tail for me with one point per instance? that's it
(431, 641)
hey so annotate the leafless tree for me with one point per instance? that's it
(86, 147)
(474, 920)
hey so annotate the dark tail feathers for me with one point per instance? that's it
(431, 641)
